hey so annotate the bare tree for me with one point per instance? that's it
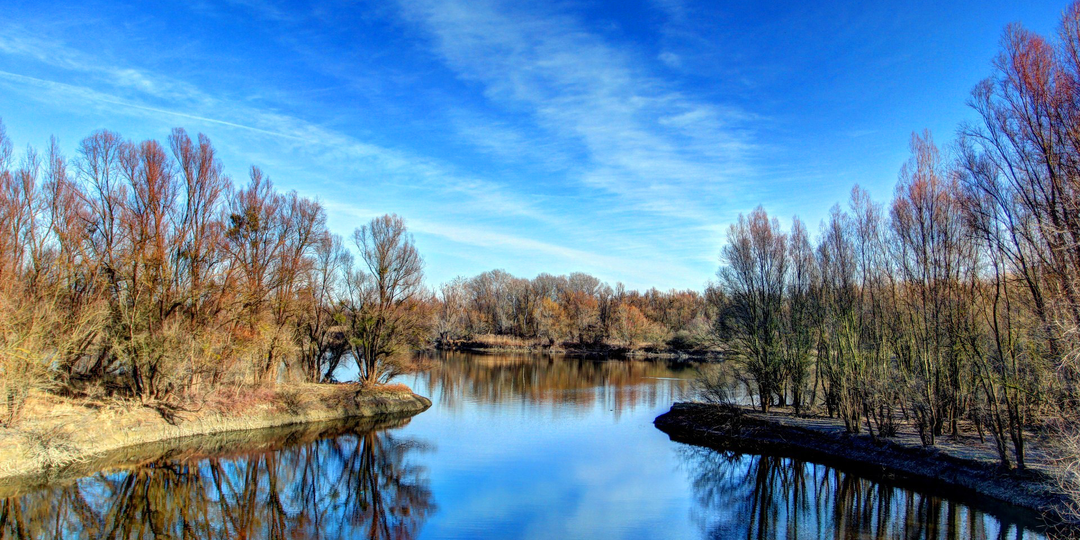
(754, 273)
(385, 311)
(840, 366)
(798, 334)
(322, 347)
(935, 257)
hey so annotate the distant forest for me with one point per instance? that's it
(571, 312)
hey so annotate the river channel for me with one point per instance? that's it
(514, 446)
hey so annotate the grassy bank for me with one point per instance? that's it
(61, 433)
(955, 470)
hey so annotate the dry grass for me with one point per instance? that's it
(502, 342)
(51, 447)
(393, 388)
(235, 401)
(290, 401)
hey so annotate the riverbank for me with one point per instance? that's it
(486, 344)
(953, 470)
(60, 433)
(219, 445)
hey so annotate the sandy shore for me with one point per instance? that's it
(971, 477)
(61, 435)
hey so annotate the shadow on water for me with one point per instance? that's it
(767, 497)
(350, 480)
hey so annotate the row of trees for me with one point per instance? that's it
(960, 299)
(578, 309)
(139, 267)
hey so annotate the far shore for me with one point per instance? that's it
(1030, 496)
(59, 435)
(506, 344)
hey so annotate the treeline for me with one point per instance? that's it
(138, 267)
(960, 299)
(576, 311)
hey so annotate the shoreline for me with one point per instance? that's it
(1029, 496)
(73, 432)
(620, 353)
(221, 444)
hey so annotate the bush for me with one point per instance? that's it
(715, 384)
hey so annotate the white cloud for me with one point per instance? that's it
(670, 59)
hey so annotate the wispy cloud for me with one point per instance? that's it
(16, 40)
(68, 91)
(131, 91)
(658, 149)
(586, 158)
(642, 273)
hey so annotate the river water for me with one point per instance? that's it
(513, 447)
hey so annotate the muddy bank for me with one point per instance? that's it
(65, 436)
(1030, 496)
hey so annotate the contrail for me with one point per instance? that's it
(94, 95)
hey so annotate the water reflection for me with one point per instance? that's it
(528, 447)
(766, 497)
(581, 383)
(347, 482)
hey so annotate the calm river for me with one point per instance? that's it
(513, 447)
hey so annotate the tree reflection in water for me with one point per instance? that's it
(354, 484)
(498, 379)
(765, 497)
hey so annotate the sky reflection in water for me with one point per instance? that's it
(514, 447)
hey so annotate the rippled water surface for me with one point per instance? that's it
(513, 447)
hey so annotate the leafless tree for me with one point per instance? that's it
(385, 308)
(754, 273)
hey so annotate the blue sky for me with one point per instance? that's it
(615, 138)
